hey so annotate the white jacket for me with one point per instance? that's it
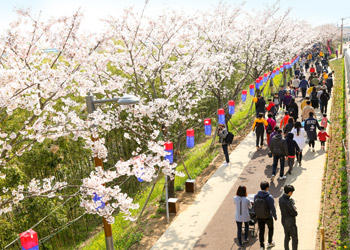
(300, 139)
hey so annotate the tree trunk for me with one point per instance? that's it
(171, 183)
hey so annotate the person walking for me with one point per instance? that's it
(306, 111)
(288, 214)
(293, 109)
(299, 137)
(329, 83)
(287, 99)
(259, 129)
(303, 103)
(324, 121)
(222, 132)
(242, 213)
(264, 207)
(324, 98)
(322, 136)
(281, 94)
(289, 126)
(312, 69)
(284, 120)
(271, 108)
(279, 150)
(293, 149)
(303, 85)
(314, 99)
(271, 124)
(310, 126)
(260, 106)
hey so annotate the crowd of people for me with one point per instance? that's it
(289, 127)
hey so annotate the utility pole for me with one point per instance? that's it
(90, 104)
(341, 35)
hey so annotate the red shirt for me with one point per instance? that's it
(312, 70)
(322, 135)
(271, 104)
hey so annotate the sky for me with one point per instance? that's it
(316, 12)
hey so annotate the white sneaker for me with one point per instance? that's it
(261, 248)
(280, 178)
(226, 164)
(272, 244)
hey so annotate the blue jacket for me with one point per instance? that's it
(269, 201)
(303, 84)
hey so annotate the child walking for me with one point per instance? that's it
(322, 135)
(324, 121)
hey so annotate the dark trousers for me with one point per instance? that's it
(261, 224)
(225, 149)
(275, 162)
(323, 143)
(290, 232)
(300, 156)
(324, 107)
(290, 163)
(303, 93)
(239, 231)
(259, 137)
(312, 143)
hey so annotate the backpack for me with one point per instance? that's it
(229, 138)
(269, 129)
(261, 209)
(259, 129)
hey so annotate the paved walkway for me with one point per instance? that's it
(209, 223)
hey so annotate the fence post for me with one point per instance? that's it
(323, 243)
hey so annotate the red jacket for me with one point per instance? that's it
(284, 121)
(312, 70)
(322, 135)
(271, 104)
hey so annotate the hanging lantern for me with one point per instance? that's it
(221, 113)
(265, 77)
(96, 199)
(281, 68)
(231, 106)
(29, 240)
(190, 138)
(277, 71)
(207, 126)
(244, 95)
(257, 84)
(170, 152)
(273, 73)
(251, 89)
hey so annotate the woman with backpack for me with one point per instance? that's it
(259, 128)
(299, 137)
(271, 124)
(242, 213)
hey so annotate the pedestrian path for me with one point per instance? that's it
(209, 223)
